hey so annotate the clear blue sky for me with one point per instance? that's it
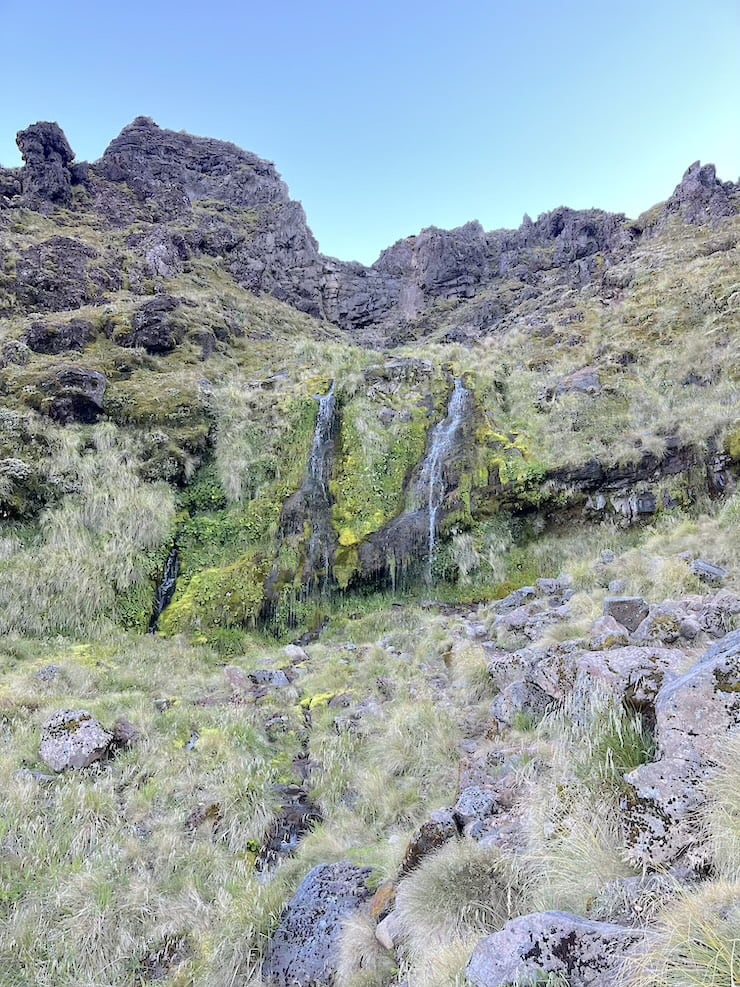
(388, 116)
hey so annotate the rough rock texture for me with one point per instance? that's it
(519, 699)
(76, 395)
(694, 714)
(629, 611)
(73, 739)
(588, 953)
(700, 197)
(46, 177)
(303, 952)
(52, 339)
(154, 326)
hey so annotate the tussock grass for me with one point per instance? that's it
(696, 942)
(722, 811)
(462, 890)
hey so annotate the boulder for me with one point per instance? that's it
(473, 805)
(304, 949)
(72, 335)
(694, 714)
(629, 611)
(607, 633)
(588, 953)
(154, 327)
(76, 395)
(46, 177)
(519, 699)
(708, 572)
(73, 739)
(662, 625)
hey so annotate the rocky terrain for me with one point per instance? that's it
(439, 565)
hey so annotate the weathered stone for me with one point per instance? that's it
(294, 817)
(72, 335)
(694, 714)
(274, 678)
(607, 633)
(699, 198)
(473, 804)
(662, 624)
(388, 931)
(304, 949)
(519, 699)
(629, 611)
(47, 156)
(584, 381)
(708, 572)
(588, 953)
(75, 395)
(125, 734)
(295, 654)
(154, 327)
(506, 667)
(73, 739)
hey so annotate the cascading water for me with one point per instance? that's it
(166, 589)
(430, 487)
(316, 485)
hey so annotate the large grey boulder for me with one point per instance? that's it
(304, 951)
(588, 953)
(73, 739)
(694, 715)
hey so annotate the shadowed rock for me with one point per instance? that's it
(46, 177)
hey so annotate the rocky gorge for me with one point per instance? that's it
(438, 560)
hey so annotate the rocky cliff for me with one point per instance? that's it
(168, 305)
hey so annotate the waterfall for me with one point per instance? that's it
(166, 589)
(316, 485)
(430, 487)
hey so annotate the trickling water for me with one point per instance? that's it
(166, 589)
(319, 462)
(316, 485)
(430, 487)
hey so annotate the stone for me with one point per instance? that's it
(431, 835)
(607, 633)
(46, 177)
(154, 327)
(53, 339)
(629, 611)
(519, 699)
(295, 654)
(700, 198)
(588, 953)
(506, 667)
(689, 629)
(73, 739)
(472, 805)
(388, 931)
(294, 817)
(125, 734)
(693, 715)
(708, 572)
(273, 678)
(584, 381)
(75, 394)
(304, 949)
(662, 625)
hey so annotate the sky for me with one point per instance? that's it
(389, 116)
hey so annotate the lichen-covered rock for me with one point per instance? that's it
(708, 572)
(607, 633)
(629, 611)
(519, 699)
(73, 739)
(304, 950)
(52, 339)
(662, 624)
(473, 805)
(155, 326)
(694, 713)
(588, 953)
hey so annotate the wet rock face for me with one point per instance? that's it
(694, 714)
(73, 739)
(46, 177)
(305, 947)
(588, 953)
